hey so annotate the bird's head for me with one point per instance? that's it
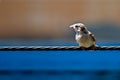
(79, 28)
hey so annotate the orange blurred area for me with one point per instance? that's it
(51, 18)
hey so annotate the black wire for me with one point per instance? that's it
(32, 48)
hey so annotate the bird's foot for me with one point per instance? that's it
(93, 47)
(83, 48)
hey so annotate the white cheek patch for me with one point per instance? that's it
(78, 29)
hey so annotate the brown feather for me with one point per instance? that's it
(92, 36)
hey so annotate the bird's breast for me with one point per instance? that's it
(84, 40)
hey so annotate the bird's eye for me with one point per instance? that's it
(77, 26)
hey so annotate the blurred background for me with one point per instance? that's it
(48, 21)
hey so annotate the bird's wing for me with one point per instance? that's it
(92, 36)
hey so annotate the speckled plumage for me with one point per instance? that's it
(83, 37)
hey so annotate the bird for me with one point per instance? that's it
(83, 37)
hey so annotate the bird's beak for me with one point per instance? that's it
(71, 26)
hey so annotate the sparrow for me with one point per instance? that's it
(83, 37)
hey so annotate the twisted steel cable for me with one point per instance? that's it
(33, 48)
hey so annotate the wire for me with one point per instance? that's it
(33, 48)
